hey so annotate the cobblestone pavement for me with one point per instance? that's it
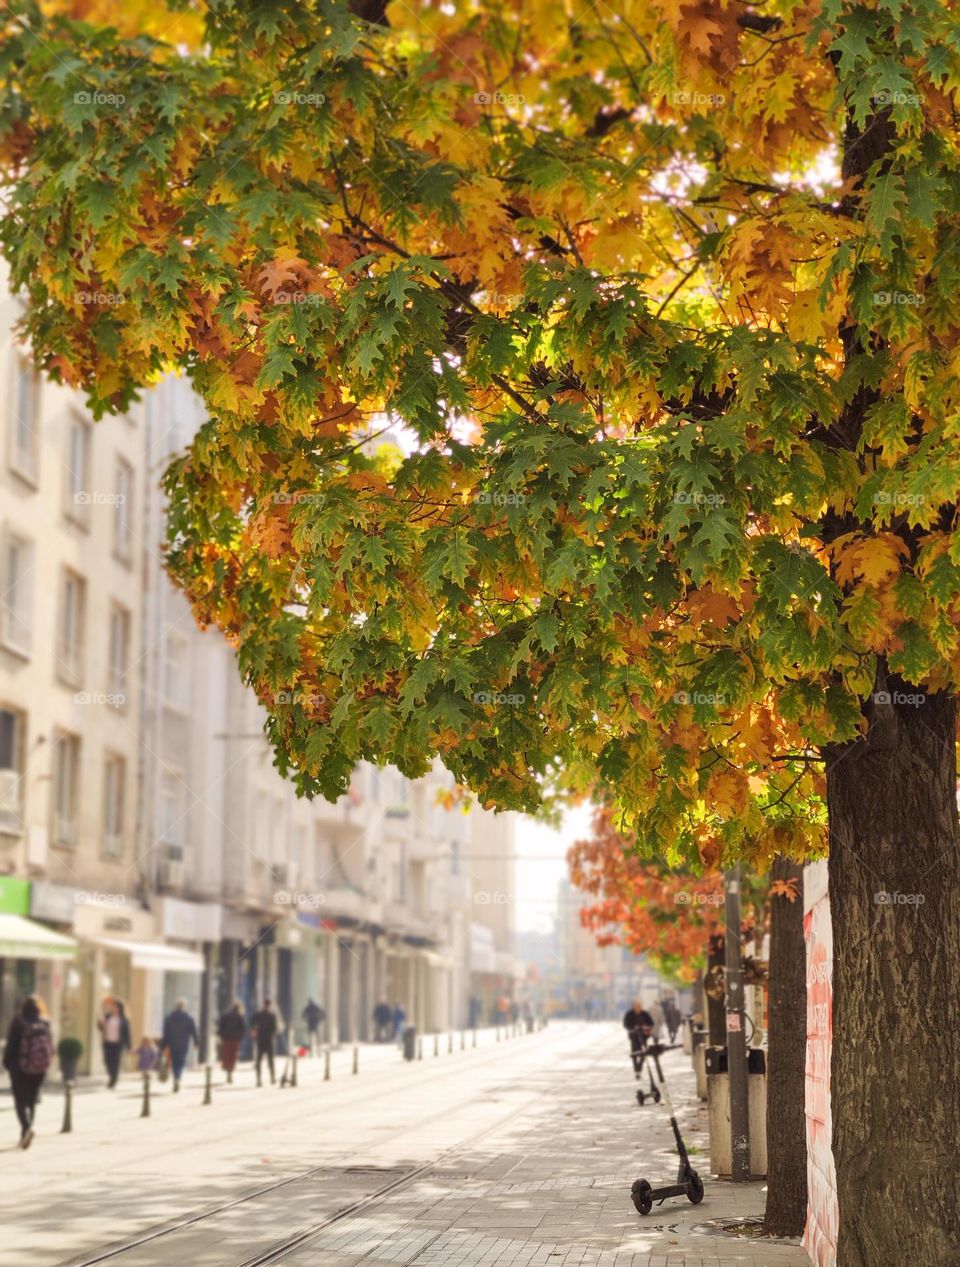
(513, 1154)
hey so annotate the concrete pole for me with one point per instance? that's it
(736, 1033)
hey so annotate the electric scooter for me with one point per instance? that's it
(689, 1184)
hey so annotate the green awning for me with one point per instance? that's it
(22, 938)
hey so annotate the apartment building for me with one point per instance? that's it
(71, 493)
(148, 847)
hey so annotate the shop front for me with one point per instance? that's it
(33, 958)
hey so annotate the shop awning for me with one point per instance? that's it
(22, 938)
(155, 955)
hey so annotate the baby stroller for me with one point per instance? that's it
(639, 1055)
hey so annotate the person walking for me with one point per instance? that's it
(672, 1018)
(27, 1056)
(383, 1021)
(399, 1017)
(656, 1011)
(231, 1028)
(179, 1030)
(313, 1016)
(263, 1026)
(115, 1034)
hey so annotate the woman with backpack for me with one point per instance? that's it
(27, 1057)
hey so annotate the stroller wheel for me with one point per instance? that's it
(695, 1190)
(655, 1095)
(641, 1195)
(640, 1098)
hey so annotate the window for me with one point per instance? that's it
(172, 814)
(123, 511)
(176, 685)
(17, 607)
(78, 497)
(73, 601)
(11, 763)
(119, 659)
(24, 422)
(66, 788)
(114, 785)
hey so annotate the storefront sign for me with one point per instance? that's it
(54, 902)
(191, 921)
(14, 895)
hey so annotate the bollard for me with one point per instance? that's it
(474, 1035)
(450, 1043)
(67, 1126)
(145, 1107)
(293, 1071)
(419, 1048)
(498, 1033)
(436, 1044)
(356, 1058)
(463, 1040)
(326, 1065)
(208, 1084)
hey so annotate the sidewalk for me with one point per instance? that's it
(514, 1154)
(552, 1187)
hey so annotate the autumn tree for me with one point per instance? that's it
(657, 308)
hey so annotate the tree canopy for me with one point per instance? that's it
(582, 386)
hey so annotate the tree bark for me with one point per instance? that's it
(895, 901)
(786, 1210)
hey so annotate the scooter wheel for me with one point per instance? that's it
(655, 1095)
(695, 1188)
(640, 1098)
(641, 1194)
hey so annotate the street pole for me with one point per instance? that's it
(736, 1035)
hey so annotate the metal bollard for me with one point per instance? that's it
(498, 1033)
(474, 1035)
(356, 1058)
(67, 1126)
(208, 1084)
(463, 1040)
(326, 1065)
(419, 1048)
(436, 1044)
(293, 1071)
(145, 1107)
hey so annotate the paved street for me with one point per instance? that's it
(518, 1152)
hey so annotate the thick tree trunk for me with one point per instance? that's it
(787, 1030)
(895, 901)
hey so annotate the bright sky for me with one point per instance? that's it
(541, 865)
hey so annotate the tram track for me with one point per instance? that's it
(165, 1235)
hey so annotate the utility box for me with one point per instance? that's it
(700, 1061)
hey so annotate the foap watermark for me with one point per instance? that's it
(306, 699)
(490, 897)
(96, 98)
(296, 496)
(899, 299)
(896, 98)
(96, 898)
(699, 499)
(296, 98)
(500, 499)
(495, 98)
(293, 897)
(699, 100)
(903, 699)
(99, 298)
(98, 498)
(499, 699)
(110, 699)
(899, 499)
(699, 697)
(297, 297)
(883, 897)
(698, 899)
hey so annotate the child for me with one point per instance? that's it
(146, 1055)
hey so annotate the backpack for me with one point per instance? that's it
(36, 1047)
